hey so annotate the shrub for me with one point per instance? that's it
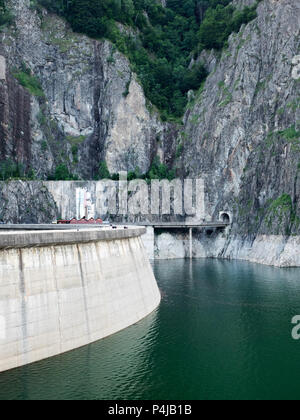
(62, 174)
(75, 142)
(160, 171)
(6, 18)
(15, 170)
(103, 172)
(29, 82)
(9, 169)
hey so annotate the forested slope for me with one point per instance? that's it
(161, 41)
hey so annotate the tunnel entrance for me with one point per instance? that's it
(225, 217)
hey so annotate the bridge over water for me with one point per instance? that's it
(209, 226)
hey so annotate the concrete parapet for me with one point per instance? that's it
(24, 239)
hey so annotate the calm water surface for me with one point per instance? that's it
(223, 331)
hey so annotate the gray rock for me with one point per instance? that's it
(93, 107)
(26, 202)
(243, 130)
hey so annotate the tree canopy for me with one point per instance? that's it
(5, 16)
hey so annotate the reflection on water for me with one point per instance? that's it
(223, 330)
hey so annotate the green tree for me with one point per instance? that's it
(5, 16)
(62, 173)
(9, 169)
(103, 172)
(220, 22)
(160, 171)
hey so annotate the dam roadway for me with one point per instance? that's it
(24, 236)
(63, 288)
(155, 225)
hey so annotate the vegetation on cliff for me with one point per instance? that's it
(158, 170)
(29, 81)
(159, 41)
(10, 170)
(5, 15)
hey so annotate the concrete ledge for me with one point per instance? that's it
(28, 239)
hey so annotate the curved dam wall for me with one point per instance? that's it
(64, 289)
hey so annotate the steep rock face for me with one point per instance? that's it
(15, 129)
(26, 202)
(93, 108)
(242, 132)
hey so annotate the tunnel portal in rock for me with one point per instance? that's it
(225, 217)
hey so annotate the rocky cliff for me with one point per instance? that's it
(26, 202)
(243, 130)
(89, 108)
(240, 132)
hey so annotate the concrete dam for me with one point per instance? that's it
(60, 290)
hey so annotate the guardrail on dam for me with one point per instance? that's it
(60, 290)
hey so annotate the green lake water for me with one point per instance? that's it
(222, 331)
